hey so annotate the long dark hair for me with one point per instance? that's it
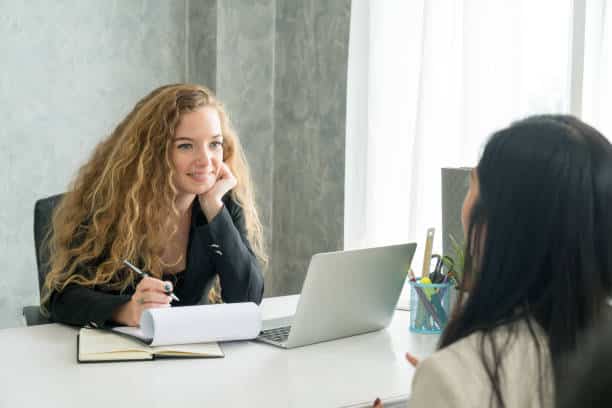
(539, 246)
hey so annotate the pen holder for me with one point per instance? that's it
(429, 306)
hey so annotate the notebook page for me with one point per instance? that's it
(199, 349)
(201, 324)
(93, 341)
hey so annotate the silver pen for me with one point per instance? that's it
(144, 274)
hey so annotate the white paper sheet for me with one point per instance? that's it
(198, 324)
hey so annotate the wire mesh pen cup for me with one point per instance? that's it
(429, 306)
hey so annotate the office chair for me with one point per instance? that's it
(43, 211)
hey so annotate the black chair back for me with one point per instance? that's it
(43, 213)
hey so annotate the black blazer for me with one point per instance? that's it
(216, 248)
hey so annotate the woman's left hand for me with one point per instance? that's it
(211, 201)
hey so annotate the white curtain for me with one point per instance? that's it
(430, 80)
(597, 90)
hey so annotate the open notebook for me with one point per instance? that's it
(180, 332)
(95, 345)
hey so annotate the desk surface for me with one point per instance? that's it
(38, 368)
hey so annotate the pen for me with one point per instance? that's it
(144, 274)
(427, 304)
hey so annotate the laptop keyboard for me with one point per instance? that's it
(280, 334)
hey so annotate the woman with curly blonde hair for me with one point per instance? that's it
(170, 191)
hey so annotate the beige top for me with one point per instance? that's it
(455, 376)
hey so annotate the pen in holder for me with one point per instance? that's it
(429, 306)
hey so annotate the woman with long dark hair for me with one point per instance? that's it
(538, 267)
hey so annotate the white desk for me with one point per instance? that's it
(38, 368)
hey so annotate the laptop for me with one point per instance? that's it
(345, 293)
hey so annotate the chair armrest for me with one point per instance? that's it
(33, 316)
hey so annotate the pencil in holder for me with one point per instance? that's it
(429, 306)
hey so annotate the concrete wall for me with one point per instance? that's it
(284, 82)
(309, 136)
(70, 71)
(245, 84)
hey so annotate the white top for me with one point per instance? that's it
(38, 368)
(455, 375)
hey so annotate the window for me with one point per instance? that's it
(430, 80)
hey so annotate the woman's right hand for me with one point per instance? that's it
(150, 293)
(413, 362)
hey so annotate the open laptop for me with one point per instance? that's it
(345, 293)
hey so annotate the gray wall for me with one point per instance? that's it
(309, 135)
(245, 84)
(201, 42)
(284, 81)
(72, 69)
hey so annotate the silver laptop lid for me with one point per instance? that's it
(349, 292)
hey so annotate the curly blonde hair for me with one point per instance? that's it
(122, 201)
